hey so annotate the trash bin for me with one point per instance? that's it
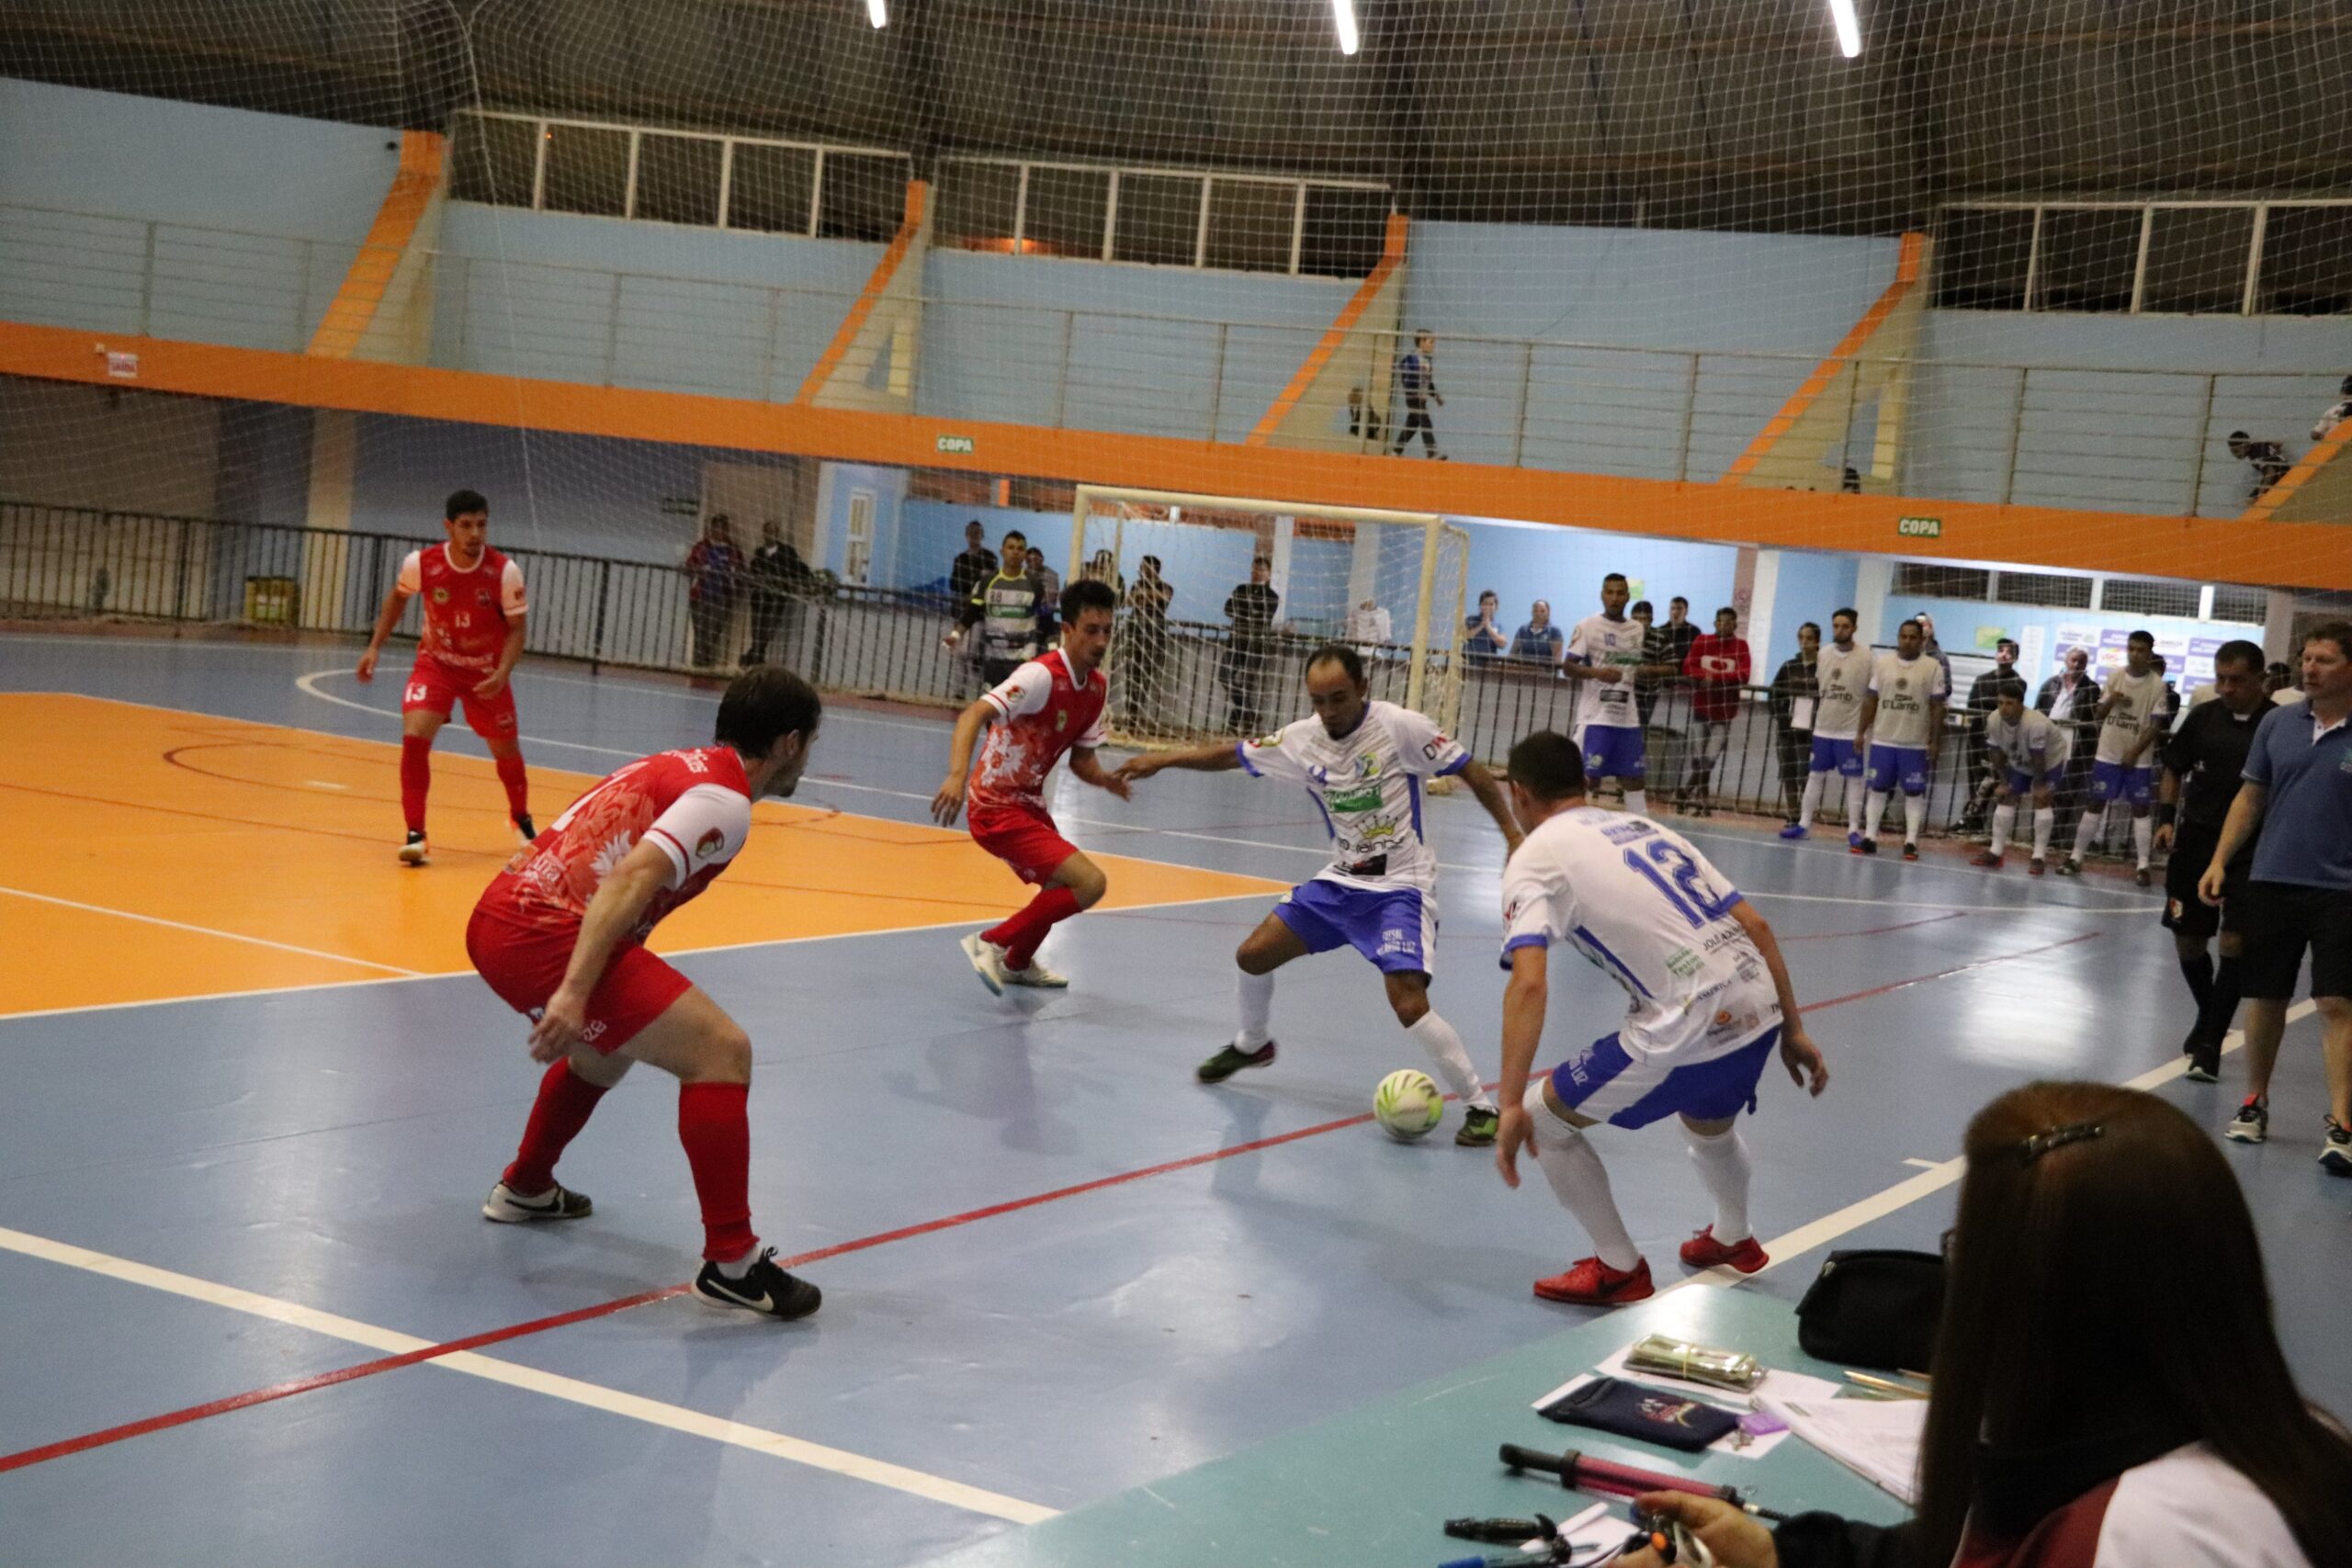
(270, 601)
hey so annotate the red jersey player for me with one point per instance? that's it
(560, 935)
(1045, 707)
(473, 635)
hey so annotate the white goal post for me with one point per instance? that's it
(1205, 649)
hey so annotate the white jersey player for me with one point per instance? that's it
(1604, 654)
(1903, 717)
(1842, 672)
(2131, 716)
(1707, 1001)
(2027, 753)
(1364, 762)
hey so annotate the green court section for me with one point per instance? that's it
(1369, 1489)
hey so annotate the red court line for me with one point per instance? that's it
(606, 1309)
(1875, 930)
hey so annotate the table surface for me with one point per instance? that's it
(1372, 1486)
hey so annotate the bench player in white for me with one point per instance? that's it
(1708, 1003)
(2130, 716)
(2028, 754)
(1364, 763)
(1604, 654)
(1843, 673)
(1902, 719)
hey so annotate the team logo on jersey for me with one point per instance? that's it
(1268, 742)
(440, 596)
(709, 844)
(1061, 720)
(482, 597)
(1903, 683)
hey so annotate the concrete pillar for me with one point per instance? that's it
(2278, 625)
(1756, 593)
(326, 556)
(1873, 580)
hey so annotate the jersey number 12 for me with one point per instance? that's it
(1678, 877)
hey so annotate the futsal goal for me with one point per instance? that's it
(1223, 598)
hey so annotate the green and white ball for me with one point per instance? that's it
(1408, 1104)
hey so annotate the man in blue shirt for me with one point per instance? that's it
(1416, 383)
(1539, 641)
(2299, 792)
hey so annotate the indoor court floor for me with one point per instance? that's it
(251, 1097)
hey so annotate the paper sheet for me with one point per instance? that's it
(1878, 1440)
(1801, 714)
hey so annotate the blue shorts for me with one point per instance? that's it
(1904, 764)
(1833, 755)
(1396, 927)
(2113, 781)
(1610, 1086)
(2020, 784)
(1612, 751)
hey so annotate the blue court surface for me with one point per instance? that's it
(1057, 1271)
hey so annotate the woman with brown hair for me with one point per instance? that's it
(2099, 1402)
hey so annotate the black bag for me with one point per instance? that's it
(1648, 1415)
(1874, 1307)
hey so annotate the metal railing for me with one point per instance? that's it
(1193, 683)
(2147, 441)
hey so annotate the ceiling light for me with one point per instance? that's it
(1344, 16)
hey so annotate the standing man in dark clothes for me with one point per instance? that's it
(1983, 696)
(2202, 765)
(1005, 609)
(1249, 647)
(974, 567)
(1796, 693)
(1416, 383)
(780, 580)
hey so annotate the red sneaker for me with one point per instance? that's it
(1703, 1251)
(1590, 1282)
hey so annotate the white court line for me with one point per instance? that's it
(208, 930)
(1924, 1163)
(1934, 1178)
(593, 1396)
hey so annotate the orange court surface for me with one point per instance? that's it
(156, 853)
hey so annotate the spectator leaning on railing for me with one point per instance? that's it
(2267, 459)
(714, 576)
(1539, 641)
(1483, 638)
(2335, 413)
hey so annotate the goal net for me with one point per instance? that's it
(1222, 599)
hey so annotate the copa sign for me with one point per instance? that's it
(1919, 527)
(954, 444)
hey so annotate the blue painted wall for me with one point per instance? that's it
(1813, 587)
(2123, 437)
(890, 486)
(652, 304)
(1000, 330)
(1598, 409)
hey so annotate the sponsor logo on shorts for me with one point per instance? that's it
(709, 844)
(592, 1032)
(1395, 939)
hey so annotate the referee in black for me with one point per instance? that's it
(2202, 761)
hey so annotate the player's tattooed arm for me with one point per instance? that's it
(1798, 1053)
(1218, 759)
(1085, 765)
(1491, 795)
(949, 802)
(386, 619)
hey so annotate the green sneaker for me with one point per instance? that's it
(1231, 1060)
(1477, 1130)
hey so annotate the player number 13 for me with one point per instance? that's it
(1678, 877)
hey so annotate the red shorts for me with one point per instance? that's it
(434, 687)
(1025, 840)
(525, 967)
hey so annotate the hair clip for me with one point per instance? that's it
(2033, 1148)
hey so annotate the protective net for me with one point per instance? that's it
(2031, 317)
(1225, 599)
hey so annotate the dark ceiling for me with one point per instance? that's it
(1694, 113)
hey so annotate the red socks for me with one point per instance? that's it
(713, 1125)
(518, 782)
(416, 777)
(1020, 935)
(566, 1100)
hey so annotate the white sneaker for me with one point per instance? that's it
(988, 963)
(415, 850)
(558, 1203)
(1036, 974)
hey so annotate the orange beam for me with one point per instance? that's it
(1907, 277)
(2319, 554)
(1392, 256)
(353, 308)
(2301, 474)
(884, 271)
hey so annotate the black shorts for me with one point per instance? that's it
(2277, 921)
(2192, 851)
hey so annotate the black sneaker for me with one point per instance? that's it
(524, 829)
(2336, 1155)
(2252, 1123)
(413, 850)
(2070, 866)
(2204, 1062)
(509, 1207)
(1910, 852)
(764, 1289)
(1478, 1130)
(1869, 846)
(1231, 1060)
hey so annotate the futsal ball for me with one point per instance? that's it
(1408, 1104)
